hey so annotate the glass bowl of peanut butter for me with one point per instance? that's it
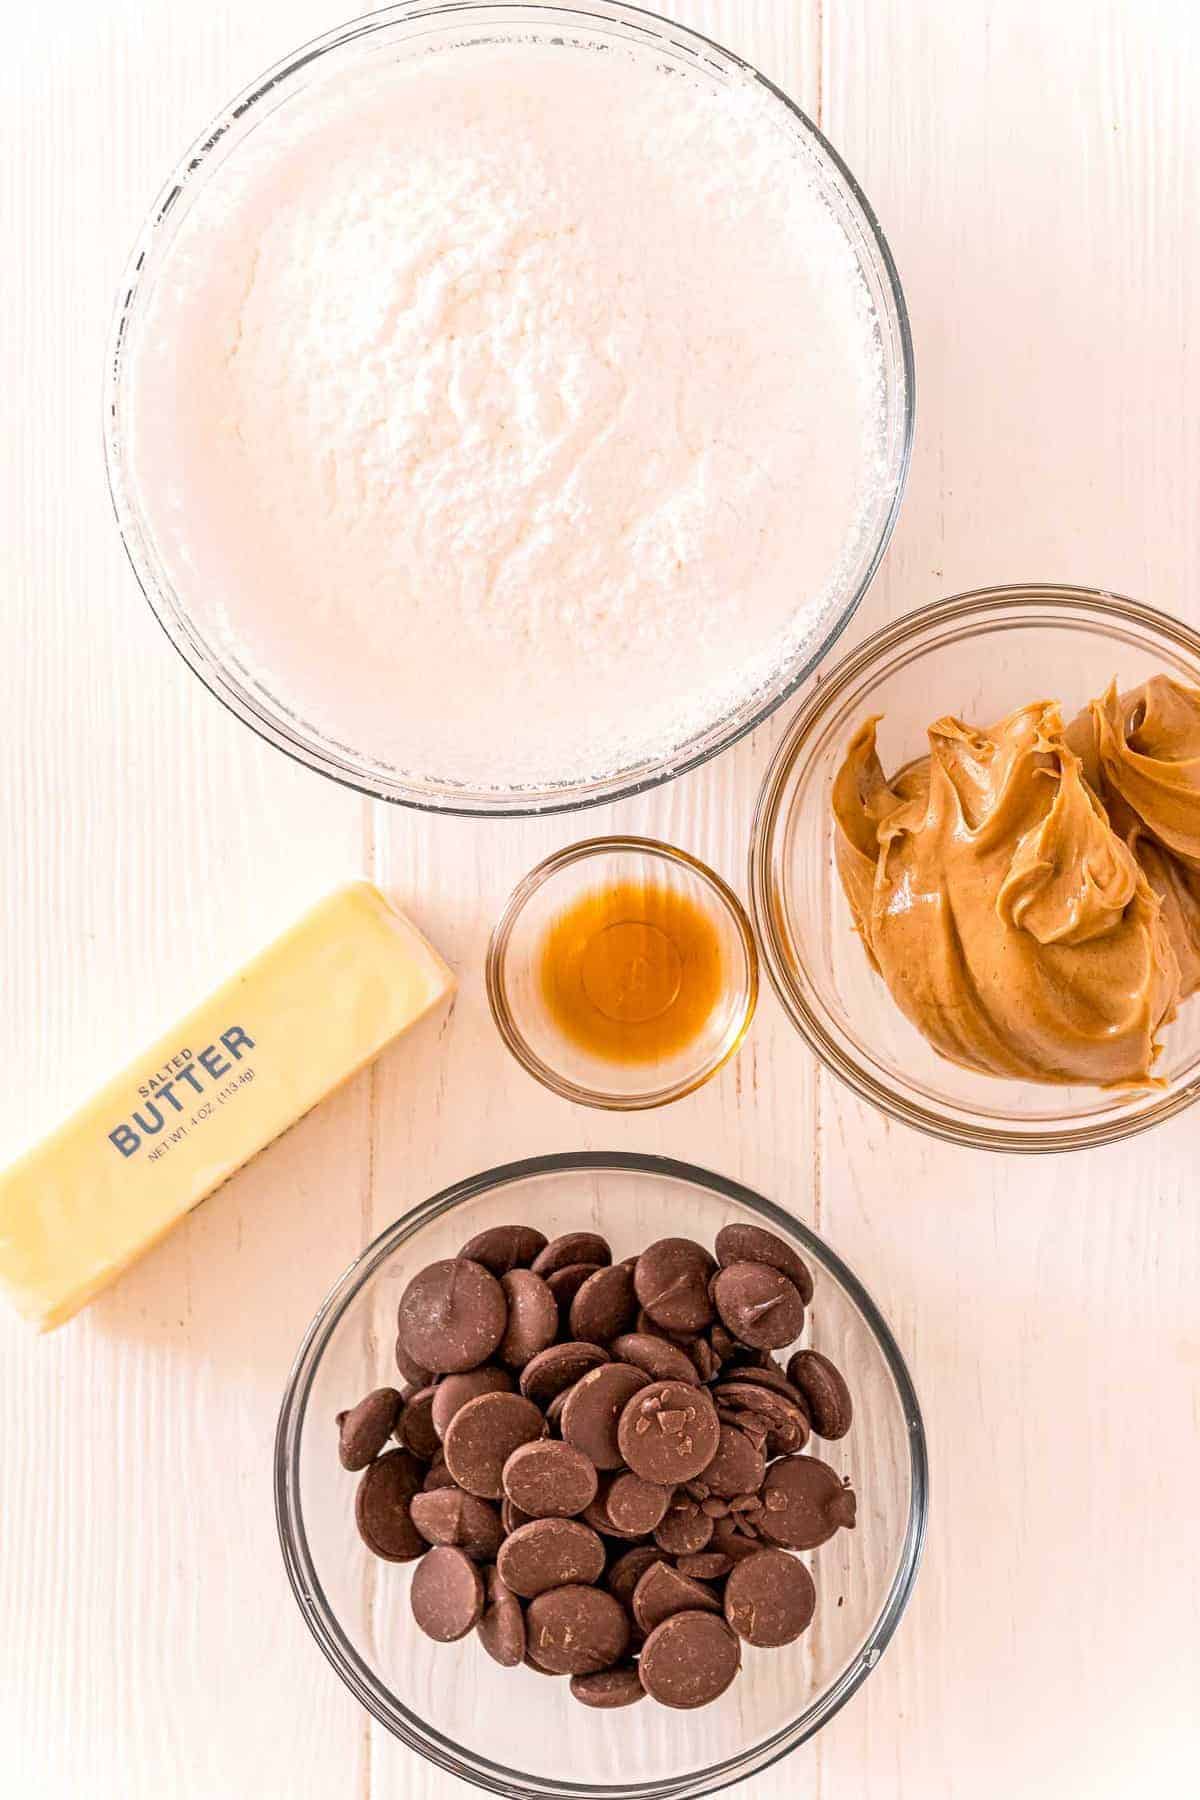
(975, 868)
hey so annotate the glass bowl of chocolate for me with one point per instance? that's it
(599, 1474)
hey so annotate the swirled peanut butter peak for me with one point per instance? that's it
(1029, 891)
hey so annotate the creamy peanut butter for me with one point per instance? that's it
(1031, 892)
(1141, 753)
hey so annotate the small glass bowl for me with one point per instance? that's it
(514, 983)
(511, 1731)
(978, 655)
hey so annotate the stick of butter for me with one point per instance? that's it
(295, 1023)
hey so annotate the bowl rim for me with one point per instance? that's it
(319, 1616)
(175, 621)
(984, 605)
(518, 1045)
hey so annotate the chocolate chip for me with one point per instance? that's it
(689, 1659)
(557, 1369)
(532, 1318)
(668, 1432)
(804, 1503)
(657, 1357)
(513, 1517)
(483, 1434)
(450, 1516)
(415, 1429)
(576, 1630)
(453, 1392)
(381, 1507)
(549, 1479)
(627, 1571)
(564, 1284)
(786, 1436)
(685, 1530)
(759, 1305)
(713, 1508)
(366, 1428)
(750, 1243)
(414, 1373)
(662, 1590)
(604, 1306)
(531, 1662)
(554, 1413)
(645, 1326)
(593, 1408)
(732, 1542)
(446, 1595)
(754, 1427)
(501, 1627)
(549, 1553)
(826, 1394)
(607, 1688)
(761, 1412)
(709, 1565)
(671, 1279)
(738, 1465)
(769, 1377)
(452, 1316)
(635, 1506)
(572, 1247)
(504, 1247)
(704, 1358)
(770, 1599)
(437, 1475)
(595, 1514)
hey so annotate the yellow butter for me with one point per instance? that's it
(295, 1023)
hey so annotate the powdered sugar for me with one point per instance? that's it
(523, 408)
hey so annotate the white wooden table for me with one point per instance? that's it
(1036, 169)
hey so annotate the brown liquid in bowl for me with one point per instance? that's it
(632, 973)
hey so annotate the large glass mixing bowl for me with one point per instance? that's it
(192, 619)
